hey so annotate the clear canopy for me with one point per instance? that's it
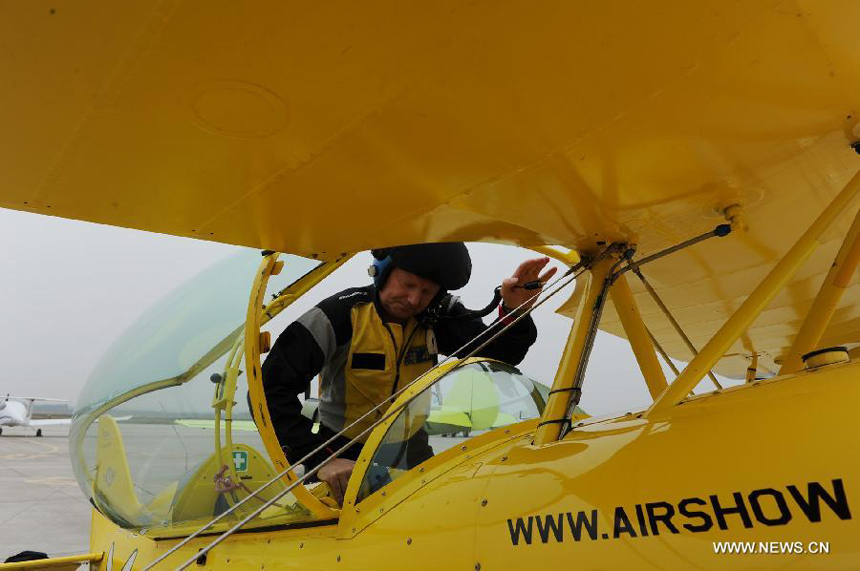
(143, 441)
(182, 327)
(144, 445)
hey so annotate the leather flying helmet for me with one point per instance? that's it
(445, 263)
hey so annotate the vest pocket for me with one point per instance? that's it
(372, 361)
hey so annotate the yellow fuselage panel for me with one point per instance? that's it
(568, 123)
(764, 462)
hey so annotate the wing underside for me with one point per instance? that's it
(51, 422)
(329, 128)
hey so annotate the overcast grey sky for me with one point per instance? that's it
(69, 288)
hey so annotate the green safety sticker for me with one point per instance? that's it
(240, 460)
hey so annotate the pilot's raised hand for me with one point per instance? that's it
(513, 292)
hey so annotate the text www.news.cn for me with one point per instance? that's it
(772, 547)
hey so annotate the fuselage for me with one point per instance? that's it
(14, 413)
(767, 463)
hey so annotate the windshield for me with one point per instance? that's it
(469, 400)
(143, 430)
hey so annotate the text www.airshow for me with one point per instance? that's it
(766, 506)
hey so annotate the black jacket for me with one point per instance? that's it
(318, 342)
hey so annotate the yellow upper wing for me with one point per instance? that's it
(320, 128)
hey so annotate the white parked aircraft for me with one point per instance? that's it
(18, 411)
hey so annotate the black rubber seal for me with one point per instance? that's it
(566, 390)
(557, 421)
(723, 230)
(820, 351)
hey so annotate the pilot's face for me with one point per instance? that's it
(405, 295)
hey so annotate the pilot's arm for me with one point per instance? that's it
(510, 347)
(293, 361)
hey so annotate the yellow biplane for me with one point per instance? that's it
(696, 161)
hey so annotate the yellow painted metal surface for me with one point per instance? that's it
(570, 257)
(637, 334)
(489, 503)
(822, 309)
(328, 128)
(585, 296)
(259, 408)
(195, 498)
(112, 484)
(759, 298)
(752, 370)
(70, 563)
(598, 469)
(826, 357)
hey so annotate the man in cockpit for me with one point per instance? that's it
(367, 343)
